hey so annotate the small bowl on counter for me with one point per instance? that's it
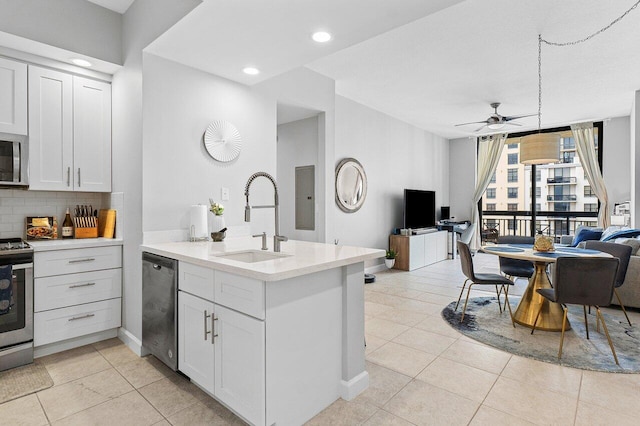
(218, 236)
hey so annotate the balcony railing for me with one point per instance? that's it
(556, 198)
(554, 224)
(561, 179)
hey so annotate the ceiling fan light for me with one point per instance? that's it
(540, 148)
(496, 126)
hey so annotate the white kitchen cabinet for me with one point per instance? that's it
(50, 130)
(69, 132)
(91, 135)
(77, 294)
(240, 363)
(195, 348)
(13, 97)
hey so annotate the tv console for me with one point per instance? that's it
(417, 251)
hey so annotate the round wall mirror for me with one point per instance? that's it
(351, 185)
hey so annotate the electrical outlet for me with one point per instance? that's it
(224, 194)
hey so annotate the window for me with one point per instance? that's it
(491, 193)
(538, 207)
(493, 178)
(512, 159)
(568, 143)
(588, 192)
(491, 207)
(512, 175)
(538, 175)
(567, 157)
(511, 224)
(591, 207)
(512, 145)
(512, 192)
(538, 191)
(512, 207)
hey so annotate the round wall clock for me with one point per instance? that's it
(222, 141)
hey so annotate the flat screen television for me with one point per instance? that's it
(419, 209)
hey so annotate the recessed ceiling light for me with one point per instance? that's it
(81, 62)
(321, 37)
(251, 71)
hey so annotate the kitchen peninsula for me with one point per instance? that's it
(277, 337)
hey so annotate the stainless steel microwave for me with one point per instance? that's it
(14, 161)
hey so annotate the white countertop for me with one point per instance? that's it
(301, 258)
(63, 244)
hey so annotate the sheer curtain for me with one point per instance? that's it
(583, 134)
(489, 150)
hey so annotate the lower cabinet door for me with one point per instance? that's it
(195, 339)
(240, 363)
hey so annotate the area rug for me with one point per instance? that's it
(484, 322)
(23, 380)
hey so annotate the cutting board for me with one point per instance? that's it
(106, 223)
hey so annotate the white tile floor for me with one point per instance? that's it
(422, 372)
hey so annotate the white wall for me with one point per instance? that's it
(297, 146)
(179, 103)
(462, 176)
(616, 167)
(395, 155)
(143, 22)
(76, 25)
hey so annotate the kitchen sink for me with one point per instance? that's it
(251, 256)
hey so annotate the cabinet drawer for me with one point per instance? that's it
(65, 323)
(240, 293)
(67, 290)
(196, 280)
(58, 262)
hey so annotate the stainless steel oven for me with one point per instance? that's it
(16, 303)
(14, 160)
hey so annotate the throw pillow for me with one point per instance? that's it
(634, 244)
(585, 235)
(623, 233)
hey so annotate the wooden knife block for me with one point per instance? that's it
(85, 227)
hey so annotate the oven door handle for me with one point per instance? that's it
(23, 266)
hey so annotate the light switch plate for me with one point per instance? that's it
(224, 194)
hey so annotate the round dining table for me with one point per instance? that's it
(551, 314)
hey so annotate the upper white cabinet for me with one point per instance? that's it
(13, 97)
(69, 132)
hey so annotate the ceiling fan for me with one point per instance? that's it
(497, 121)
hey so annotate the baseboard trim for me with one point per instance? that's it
(132, 342)
(349, 390)
(376, 268)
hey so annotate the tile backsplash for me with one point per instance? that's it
(17, 204)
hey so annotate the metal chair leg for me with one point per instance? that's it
(564, 325)
(586, 323)
(624, 311)
(535, 321)
(606, 332)
(461, 291)
(506, 298)
(499, 303)
(465, 302)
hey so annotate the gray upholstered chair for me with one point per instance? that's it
(467, 234)
(586, 281)
(515, 267)
(623, 253)
(466, 261)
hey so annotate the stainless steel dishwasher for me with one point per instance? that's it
(159, 308)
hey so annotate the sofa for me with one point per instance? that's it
(629, 291)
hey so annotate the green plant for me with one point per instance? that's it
(216, 208)
(391, 254)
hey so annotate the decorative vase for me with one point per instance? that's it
(216, 222)
(389, 263)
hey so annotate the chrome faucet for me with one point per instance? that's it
(247, 209)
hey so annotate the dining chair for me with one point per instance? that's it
(466, 261)
(515, 267)
(586, 281)
(623, 253)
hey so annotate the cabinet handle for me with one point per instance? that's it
(79, 176)
(68, 176)
(205, 325)
(88, 259)
(213, 328)
(82, 285)
(82, 317)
